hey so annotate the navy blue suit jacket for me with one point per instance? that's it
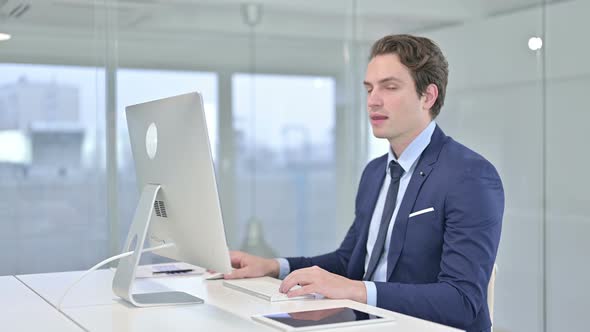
(439, 263)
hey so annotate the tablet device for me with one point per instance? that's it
(319, 319)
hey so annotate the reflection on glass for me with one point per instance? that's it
(321, 317)
(284, 128)
(49, 156)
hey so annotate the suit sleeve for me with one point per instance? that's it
(474, 206)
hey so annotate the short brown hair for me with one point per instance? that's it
(424, 59)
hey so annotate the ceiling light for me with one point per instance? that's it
(535, 43)
(4, 36)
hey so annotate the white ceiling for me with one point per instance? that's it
(293, 36)
(331, 19)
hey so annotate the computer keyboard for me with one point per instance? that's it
(266, 288)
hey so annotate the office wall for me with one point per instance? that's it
(290, 135)
(523, 110)
(495, 106)
(568, 220)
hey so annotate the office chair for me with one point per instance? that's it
(491, 292)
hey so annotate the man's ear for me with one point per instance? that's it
(429, 96)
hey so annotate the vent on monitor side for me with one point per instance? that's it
(160, 209)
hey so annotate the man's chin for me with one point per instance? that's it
(378, 134)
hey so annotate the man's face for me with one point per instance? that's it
(395, 108)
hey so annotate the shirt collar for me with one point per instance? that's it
(414, 150)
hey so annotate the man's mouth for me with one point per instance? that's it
(379, 117)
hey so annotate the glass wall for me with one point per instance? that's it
(52, 140)
(566, 187)
(495, 106)
(282, 84)
(284, 141)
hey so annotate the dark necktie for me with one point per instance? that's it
(396, 171)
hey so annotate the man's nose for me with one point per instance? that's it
(374, 100)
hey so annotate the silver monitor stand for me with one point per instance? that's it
(125, 274)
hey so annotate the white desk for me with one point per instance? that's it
(93, 305)
(23, 310)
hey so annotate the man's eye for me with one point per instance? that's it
(391, 87)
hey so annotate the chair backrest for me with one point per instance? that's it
(491, 292)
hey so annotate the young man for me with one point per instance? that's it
(428, 214)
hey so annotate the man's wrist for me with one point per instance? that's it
(360, 292)
(274, 268)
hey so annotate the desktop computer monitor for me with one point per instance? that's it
(179, 202)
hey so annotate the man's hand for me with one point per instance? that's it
(250, 266)
(317, 280)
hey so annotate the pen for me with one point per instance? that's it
(173, 271)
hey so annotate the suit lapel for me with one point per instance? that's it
(421, 173)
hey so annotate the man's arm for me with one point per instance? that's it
(473, 212)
